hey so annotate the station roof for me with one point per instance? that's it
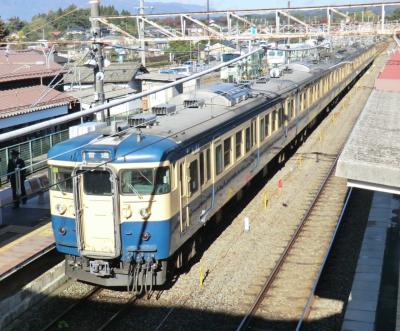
(29, 99)
(112, 91)
(154, 76)
(116, 73)
(25, 64)
(371, 156)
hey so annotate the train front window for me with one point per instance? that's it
(60, 179)
(146, 181)
(97, 182)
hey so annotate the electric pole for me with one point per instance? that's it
(141, 34)
(97, 49)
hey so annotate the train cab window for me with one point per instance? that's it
(218, 159)
(147, 181)
(208, 164)
(262, 129)
(227, 152)
(61, 179)
(266, 125)
(248, 139)
(238, 142)
(202, 177)
(194, 177)
(97, 182)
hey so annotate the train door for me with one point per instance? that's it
(205, 177)
(182, 196)
(193, 190)
(97, 213)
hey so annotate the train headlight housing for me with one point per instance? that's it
(127, 212)
(146, 236)
(61, 208)
(145, 213)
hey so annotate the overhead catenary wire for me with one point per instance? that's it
(71, 117)
(102, 164)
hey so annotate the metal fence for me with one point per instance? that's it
(33, 152)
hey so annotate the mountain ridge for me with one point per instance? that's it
(24, 9)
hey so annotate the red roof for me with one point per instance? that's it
(29, 99)
(17, 65)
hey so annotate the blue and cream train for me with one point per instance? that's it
(123, 205)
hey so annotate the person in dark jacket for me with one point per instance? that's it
(16, 163)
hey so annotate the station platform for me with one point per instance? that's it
(374, 299)
(25, 235)
(371, 156)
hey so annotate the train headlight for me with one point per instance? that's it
(146, 236)
(61, 209)
(62, 230)
(145, 213)
(127, 212)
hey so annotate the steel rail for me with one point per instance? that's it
(310, 299)
(107, 323)
(53, 322)
(67, 118)
(268, 283)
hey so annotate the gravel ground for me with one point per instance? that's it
(335, 284)
(236, 263)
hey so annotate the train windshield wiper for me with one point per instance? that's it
(132, 188)
(144, 176)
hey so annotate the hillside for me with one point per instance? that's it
(25, 10)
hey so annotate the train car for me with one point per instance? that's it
(125, 202)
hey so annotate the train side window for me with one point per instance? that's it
(202, 168)
(274, 120)
(181, 178)
(253, 133)
(266, 125)
(290, 109)
(218, 159)
(208, 164)
(247, 139)
(227, 152)
(194, 180)
(280, 117)
(262, 129)
(238, 142)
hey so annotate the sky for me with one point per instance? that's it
(27, 8)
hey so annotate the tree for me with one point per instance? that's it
(396, 14)
(3, 30)
(15, 24)
(180, 50)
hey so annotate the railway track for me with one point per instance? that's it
(284, 296)
(106, 305)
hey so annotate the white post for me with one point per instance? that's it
(328, 16)
(141, 34)
(383, 19)
(277, 22)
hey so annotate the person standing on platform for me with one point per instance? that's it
(14, 164)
